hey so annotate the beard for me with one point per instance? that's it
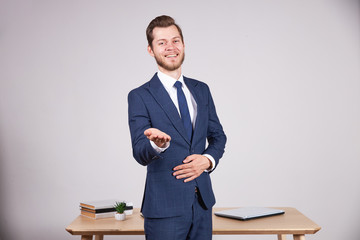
(171, 66)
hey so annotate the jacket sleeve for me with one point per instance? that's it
(215, 134)
(139, 121)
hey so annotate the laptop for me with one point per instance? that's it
(247, 213)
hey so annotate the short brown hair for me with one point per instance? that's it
(161, 21)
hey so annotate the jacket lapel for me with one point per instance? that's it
(194, 89)
(162, 97)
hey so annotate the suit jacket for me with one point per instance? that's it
(150, 106)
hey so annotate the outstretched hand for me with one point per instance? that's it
(158, 137)
(194, 165)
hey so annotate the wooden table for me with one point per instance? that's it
(291, 223)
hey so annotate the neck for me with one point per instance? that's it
(174, 74)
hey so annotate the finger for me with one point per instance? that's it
(187, 160)
(190, 158)
(185, 175)
(162, 139)
(152, 137)
(189, 176)
(155, 138)
(159, 140)
(182, 166)
(156, 133)
(182, 171)
(147, 132)
(190, 179)
(150, 131)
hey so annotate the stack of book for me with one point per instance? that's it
(98, 209)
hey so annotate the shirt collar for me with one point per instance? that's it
(168, 81)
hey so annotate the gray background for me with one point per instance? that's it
(284, 76)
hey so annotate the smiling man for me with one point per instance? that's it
(169, 59)
(176, 133)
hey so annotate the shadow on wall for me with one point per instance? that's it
(3, 224)
(2, 193)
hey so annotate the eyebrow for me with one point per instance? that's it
(163, 39)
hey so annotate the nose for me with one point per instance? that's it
(170, 46)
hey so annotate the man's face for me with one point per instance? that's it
(167, 48)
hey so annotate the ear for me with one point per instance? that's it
(150, 51)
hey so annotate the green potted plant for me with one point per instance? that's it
(120, 208)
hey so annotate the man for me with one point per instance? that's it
(170, 119)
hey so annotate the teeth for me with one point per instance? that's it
(171, 55)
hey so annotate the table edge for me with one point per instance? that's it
(215, 231)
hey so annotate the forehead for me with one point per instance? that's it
(165, 33)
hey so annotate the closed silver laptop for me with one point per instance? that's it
(246, 213)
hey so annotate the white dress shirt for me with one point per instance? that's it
(168, 83)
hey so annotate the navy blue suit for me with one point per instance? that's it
(150, 106)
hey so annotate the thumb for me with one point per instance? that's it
(147, 132)
(188, 159)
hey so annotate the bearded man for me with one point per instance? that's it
(176, 133)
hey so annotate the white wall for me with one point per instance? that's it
(284, 75)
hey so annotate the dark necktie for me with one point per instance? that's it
(184, 110)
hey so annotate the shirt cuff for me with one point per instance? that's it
(159, 149)
(212, 161)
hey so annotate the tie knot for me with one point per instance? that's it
(178, 84)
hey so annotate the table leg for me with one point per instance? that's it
(86, 237)
(99, 237)
(281, 237)
(299, 237)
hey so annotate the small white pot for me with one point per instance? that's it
(120, 216)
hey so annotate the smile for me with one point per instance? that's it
(172, 56)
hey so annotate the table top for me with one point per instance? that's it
(292, 222)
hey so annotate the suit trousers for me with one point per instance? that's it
(195, 224)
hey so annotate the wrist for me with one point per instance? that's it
(160, 149)
(210, 164)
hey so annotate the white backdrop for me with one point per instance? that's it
(284, 76)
